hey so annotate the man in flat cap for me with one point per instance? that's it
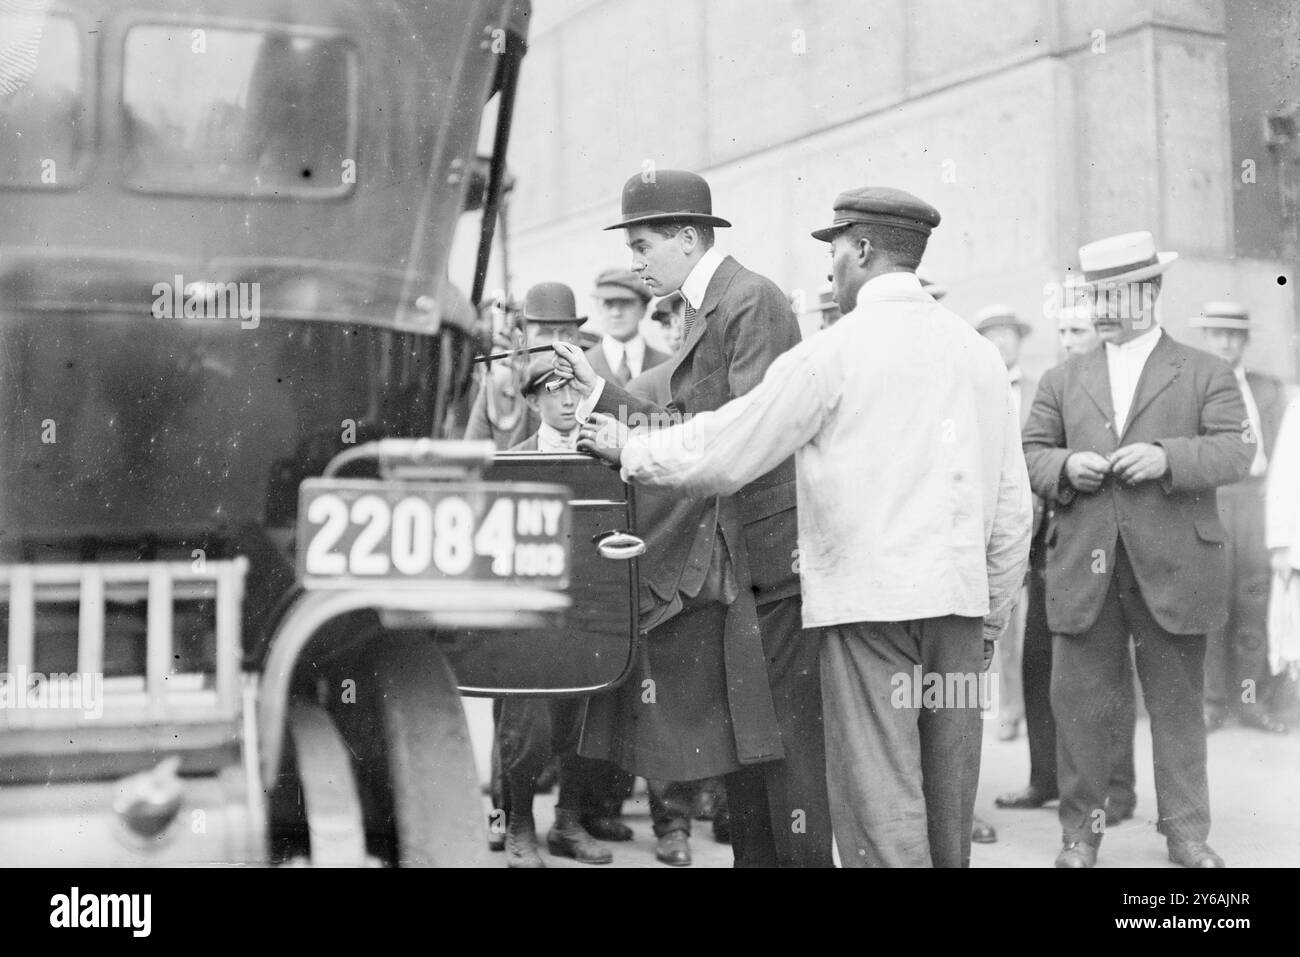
(914, 521)
(1237, 677)
(736, 324)
(621, 300)
(1128, 444)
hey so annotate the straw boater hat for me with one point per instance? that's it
(1222, 315)
(992, 317)
(1130, 257)
(667, 194)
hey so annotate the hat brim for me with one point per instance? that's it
(1163, 262)
(552, 321)
(1022, 327)
(1219, 322)
(827, 233)
(665, 217)
(643, 293)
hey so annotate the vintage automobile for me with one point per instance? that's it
(245, 573)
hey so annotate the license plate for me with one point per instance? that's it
(353, 531)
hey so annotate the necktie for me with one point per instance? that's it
(624, 371)
(690, 321)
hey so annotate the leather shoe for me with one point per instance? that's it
(1117, 813)
(568, 838)
(982, 832)
(608, 829)
(1194, 854)
(521, 843)
(1077, 854)
(674, 849)
(1030, 797)
(1259, 719)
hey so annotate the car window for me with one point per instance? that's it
(238, 111)
(44, 124)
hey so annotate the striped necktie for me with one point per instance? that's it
(690, 321)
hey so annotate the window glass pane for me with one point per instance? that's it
(44, 128)
(236, 111)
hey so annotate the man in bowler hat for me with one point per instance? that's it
(736, 323)
(914, 521)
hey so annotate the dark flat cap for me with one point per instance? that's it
(653, 197)
(883, 205)
(540, 371)
(624, 279)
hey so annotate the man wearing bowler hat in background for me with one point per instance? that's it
(1128, 443)
(914, 520)
(1237, 678)
(736, 323)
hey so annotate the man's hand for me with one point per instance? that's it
(604, 437)
(1086, 470)
(1279, 559)
(571, 363)
(1139, 462)
(990, 647)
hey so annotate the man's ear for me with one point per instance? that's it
(534, 403)
(864, 252)
(690, 238)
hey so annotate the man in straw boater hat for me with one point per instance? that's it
(1237, 677)
(1128, 443)
(736, 324)
(914, 521)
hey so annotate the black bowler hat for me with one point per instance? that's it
(551, 302)
(883, 205)
(661, 194)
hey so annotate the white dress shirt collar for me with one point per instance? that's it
(634, 347)
(697, 283)
(1124, 365)
(550, 439)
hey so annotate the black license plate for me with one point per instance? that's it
(352, 531)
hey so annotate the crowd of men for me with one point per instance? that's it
(844, 530)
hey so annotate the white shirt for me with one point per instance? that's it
(912, 489)
(550, 439)
(634, 347)
(693, 288)
(1260, 465)
(1124, 363)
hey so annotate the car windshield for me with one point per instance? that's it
(238, 111)
(44, 128)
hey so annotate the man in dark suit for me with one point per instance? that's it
(622, 353)
(1129, 443)
(1237, 678)
(736, 323)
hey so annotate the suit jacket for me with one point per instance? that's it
(1186, 401)
(742, 325)
(596, 356)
